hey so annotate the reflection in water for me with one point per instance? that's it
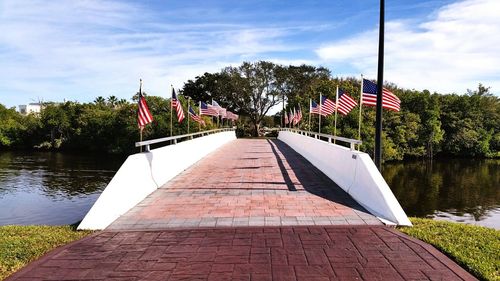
(57, 188)
(456, 189)
(51, 188)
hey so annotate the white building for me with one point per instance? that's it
(30, 108)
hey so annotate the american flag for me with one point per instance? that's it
(298, 116)
(295, 117)
(231, 116)
(291, 117)
(220, 110)
(314, 108)
(178, 107)
(206, 109)
(195, 117)
(327, 106)
(286, 118)
(345, 103)
(369, 96)
(143, 114)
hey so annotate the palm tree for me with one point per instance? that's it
(112, 101)
(100, 101)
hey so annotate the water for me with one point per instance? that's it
(461, 190)
(57, 188)
(51, 188)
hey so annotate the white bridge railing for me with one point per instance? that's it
(352, 142)
(174, 139)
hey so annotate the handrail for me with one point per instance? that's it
(352, 142)
(147, 143)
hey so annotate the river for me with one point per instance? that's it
(51, 188)
(58, 188)
(461, 190)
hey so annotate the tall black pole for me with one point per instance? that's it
(380, 82)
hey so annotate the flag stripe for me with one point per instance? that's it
(369, 96)
(207, 109)
(327, 106)
(178, 107)
(345, 103)
(195, 117)
(143, 114)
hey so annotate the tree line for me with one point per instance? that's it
(429, 124)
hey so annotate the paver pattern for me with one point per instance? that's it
(252, 210)
(248, 182)
(247, 253)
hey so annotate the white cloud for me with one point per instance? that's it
(453, 51)
(81, 49)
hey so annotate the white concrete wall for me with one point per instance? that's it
(353, 171)
(143, 173)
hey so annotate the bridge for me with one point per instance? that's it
(212, 207)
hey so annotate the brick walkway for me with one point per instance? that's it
(247, 182)
(239, 214)
(246, 253)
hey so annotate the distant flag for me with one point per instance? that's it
(144, 116)
(178, 107)
(286, 118)
(327, 106)
(220, 110)
(389, 100)
(299, 113)
(206, 109)
(345, 103)
(216, 104)
(291, 116)
(295, 117)
(195, 117)
(223, 113)
(231, 116)
(314, 108)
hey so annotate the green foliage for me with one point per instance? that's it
(427, 125)
(20, 245)
(475, 248)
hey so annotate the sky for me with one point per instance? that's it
(79, 49)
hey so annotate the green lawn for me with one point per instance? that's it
(477, 249)
(20, 245)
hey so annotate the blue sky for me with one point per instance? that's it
(77, 50)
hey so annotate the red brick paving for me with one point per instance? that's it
(247, 182)
(262, 253)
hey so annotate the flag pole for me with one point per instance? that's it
(319, 127)
(140, 138)
(380, 82)
(171, 123)
(300, 120)
(310, 108)
(336, 104)
(360, 109)
(189, 98)
(140, 127)
(199, 114)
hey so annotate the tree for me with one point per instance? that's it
(112, 101)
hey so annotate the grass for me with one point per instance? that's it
(19, 245)
(475, 248)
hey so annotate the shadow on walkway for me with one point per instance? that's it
(309, 177)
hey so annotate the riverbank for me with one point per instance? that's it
(474, 248)
(20, 245)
